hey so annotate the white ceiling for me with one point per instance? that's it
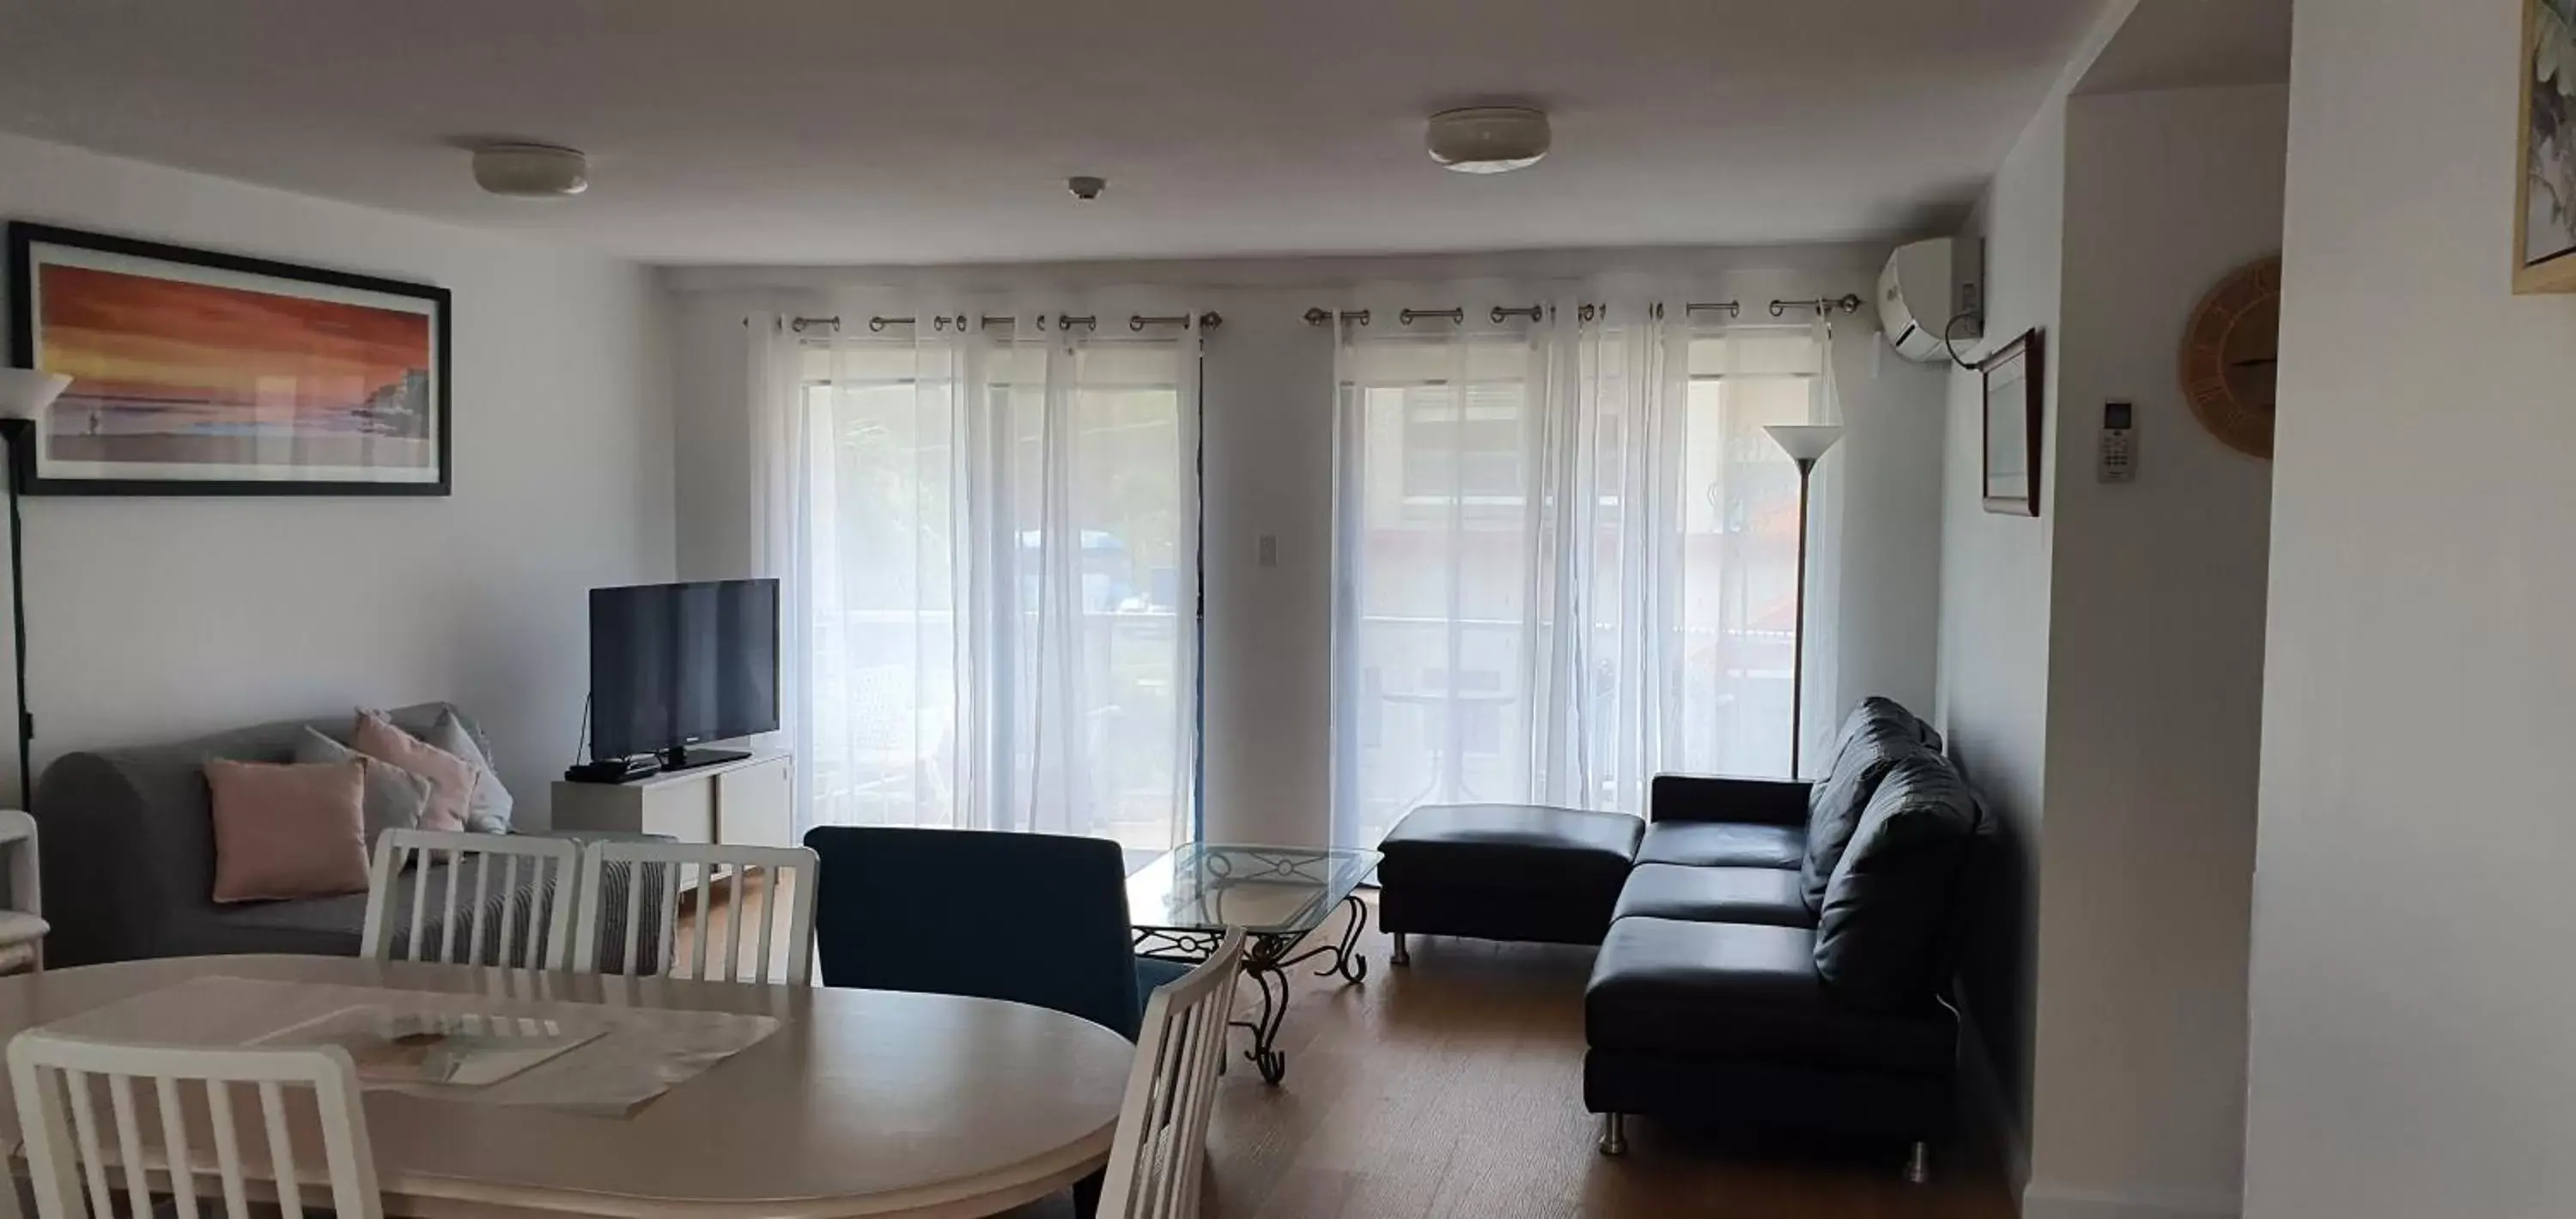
(2195, 44)
(841, 131)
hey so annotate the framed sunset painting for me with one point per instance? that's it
(198, 373)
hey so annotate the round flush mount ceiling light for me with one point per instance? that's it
(1488, 139)
(530, 171)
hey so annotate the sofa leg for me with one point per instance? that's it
(1614, 1134)
(1918, 1164)
(1399, 957)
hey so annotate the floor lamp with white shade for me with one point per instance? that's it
(1806, 444)
(24, 395)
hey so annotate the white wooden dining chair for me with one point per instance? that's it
(503, 919)
(1157, 1156)
(22, 921)
(156, 1096)
(701, 870)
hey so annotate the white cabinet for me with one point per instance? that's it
(752, 806)
(745, 803)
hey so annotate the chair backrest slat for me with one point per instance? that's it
(129, 1133)
(281, 1153)
(174, 1130)
(56, 1079)
(85, 1120)
(482, 898)
(1154, 1159)
(789, 877)
(228, 1161)
(537, 939)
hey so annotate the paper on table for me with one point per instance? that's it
(460, 1049)
(639, 1053)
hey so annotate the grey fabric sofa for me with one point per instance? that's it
(130, 854)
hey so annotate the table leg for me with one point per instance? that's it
(1261, 964)
(1267, 960)
(1345, 952)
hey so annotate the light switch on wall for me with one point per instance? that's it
(1270, 550)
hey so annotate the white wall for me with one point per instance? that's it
(1994, 616)
(2155, 670)
(151, 619)
(2412, 996)
(2100, 666)
(1268, 434)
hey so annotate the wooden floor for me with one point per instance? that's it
(1454, 1087)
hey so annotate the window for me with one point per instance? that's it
(1471, 449)
(1561, 584)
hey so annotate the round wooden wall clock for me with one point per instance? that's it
(2231, 357)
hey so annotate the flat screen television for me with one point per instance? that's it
(675, 664)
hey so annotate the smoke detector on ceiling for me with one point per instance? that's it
(531, 171)
(1488, 139)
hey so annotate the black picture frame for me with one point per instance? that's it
(2015, 410)
(23, 238)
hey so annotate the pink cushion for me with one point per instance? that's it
(451, 778)
(285, 831)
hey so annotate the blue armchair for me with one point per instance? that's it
(1033, 918)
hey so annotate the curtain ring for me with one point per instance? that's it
(1779, 307)
(876, 325)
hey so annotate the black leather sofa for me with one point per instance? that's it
(1773, 953)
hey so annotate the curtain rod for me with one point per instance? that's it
(1499, 314)
(1064, 321)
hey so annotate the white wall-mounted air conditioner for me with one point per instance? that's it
(1931, 289)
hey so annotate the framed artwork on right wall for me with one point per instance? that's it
(2015, 407)
(2544, 226)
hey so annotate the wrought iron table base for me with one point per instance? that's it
(1267, 960)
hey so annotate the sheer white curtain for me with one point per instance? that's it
(1567, 554)
(989, 532)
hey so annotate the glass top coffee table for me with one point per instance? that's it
(1184, 901)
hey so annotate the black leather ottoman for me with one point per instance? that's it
(1504, 872)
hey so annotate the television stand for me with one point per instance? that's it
(748, 802)
(682, 758)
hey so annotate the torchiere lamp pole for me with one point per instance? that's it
(24, 395)
(1806, 444)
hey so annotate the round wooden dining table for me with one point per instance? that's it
(857, 1103)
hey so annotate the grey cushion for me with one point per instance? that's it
(489, 810)
(1894, 901)
(1767, 896)
(1723, 844)
(394, 797)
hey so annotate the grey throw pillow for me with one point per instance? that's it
(391, 799)
(488, 811)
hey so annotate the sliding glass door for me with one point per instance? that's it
(1568, 559)
(1000, 543)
